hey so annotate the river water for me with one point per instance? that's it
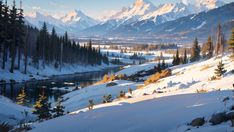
(33, 89)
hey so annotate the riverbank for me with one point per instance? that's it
(48, 72)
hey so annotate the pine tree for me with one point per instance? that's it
(21, 98)
(163, 64)
(195, 53)
(207, 48)
(20, 33)
(231, 41)
(159, 69)
(176, 59)
(42, 107)
(185, 59)
(219, 49)
(59, 109)
(5, 33)
(13, 25)
(220, 69)
(1, 26)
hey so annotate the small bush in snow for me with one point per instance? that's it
(107, 98)
(130, 90)
(202, 91)
(91, 104)
(4, 127)
(213, 78)
(121, 94)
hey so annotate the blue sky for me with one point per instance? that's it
(93, 8)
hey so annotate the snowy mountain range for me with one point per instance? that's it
(141, 14)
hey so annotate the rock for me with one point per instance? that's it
(111, 84)
(198, 122)
(226, 99)
(218, 118)
(230, 115)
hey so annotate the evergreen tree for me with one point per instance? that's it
(163, 64)
(219, 49)
(159, 69)
(42, 107)
(20, 33)
(1, 27)
(195, 53)
(59, 109)
(185, 59)
(5, 33)
(13, 32)
(21, 98)
(207, 48)
(231, 41)
(220, 69)
(176, 59)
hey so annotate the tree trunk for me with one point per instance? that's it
(13, 54)
(26, 53)
(19, 57)
(4, 56)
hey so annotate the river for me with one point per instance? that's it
(33, 89)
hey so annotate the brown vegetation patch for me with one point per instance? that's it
(154, 78)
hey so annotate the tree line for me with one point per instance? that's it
(51, 48)
(207, 50)
(19, 42)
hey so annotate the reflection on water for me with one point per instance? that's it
(33, 89)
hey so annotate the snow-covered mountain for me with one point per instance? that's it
(142, 14)
(135, 12)
(72, 22)
(208, 4)
(78, 20)
(183, 29)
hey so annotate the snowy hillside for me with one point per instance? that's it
(167, 105)
(11, 113)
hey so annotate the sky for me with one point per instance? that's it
(93, 8)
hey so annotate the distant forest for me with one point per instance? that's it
(19, 41)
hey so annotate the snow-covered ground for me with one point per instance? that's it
(79, 98)
(12, 113)
(133, 69)
(167, 105)
(160, 114)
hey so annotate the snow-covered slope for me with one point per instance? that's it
(12, 113)
(167, 105)
(79, 99)
(159, 114)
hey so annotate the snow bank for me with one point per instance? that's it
(11, 113)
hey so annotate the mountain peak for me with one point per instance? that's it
(209, 4)
(75, 15)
